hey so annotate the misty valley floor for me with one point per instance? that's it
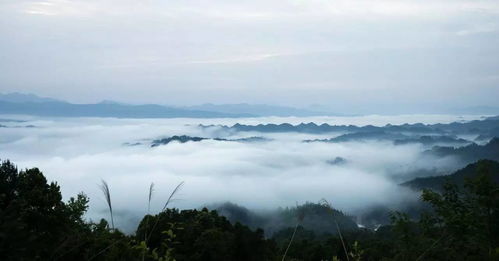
(276, 172)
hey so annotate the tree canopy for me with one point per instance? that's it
(36, 224)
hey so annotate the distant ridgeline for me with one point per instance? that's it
(29, 104)
(185, 138)
(485, 167)
(472, 152)
(396, 138)
(427, 134)
(65, 109)
(488, 127)
(462, 155)
(443, 135)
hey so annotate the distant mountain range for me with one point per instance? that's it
(63, 109)
(16, 97)
(29, 104)
(486, 127)
(20, 103)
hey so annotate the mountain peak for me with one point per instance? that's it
(16, 97)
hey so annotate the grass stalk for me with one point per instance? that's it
(151, 190)
(300, 217)
(325, 203)
(290, 241)
(168, 201)
(107, 194)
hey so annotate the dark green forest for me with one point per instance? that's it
(460, 221)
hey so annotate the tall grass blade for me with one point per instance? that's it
(325, 203)
(168, 201)
(151, 190)
(290, 241)
(301, 216)
(170, 198)
(107, 194)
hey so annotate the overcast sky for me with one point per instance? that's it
(301, 52)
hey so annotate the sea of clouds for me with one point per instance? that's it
(80, 152)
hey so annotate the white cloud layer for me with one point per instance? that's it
(78, 153)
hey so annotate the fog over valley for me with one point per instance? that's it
(257, 169)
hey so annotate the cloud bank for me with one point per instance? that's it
(78, 153)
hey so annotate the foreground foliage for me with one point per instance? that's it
(35, 224)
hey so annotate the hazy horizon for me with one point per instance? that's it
(409, 56)
(260, 109)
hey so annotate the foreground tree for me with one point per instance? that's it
(35, 224)
(463, 223)
(203, 235)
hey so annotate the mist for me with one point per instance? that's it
(78, 153)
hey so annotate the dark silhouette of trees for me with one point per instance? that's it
(36, 224)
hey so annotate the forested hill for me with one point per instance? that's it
(486, 167)
(315, 217)
(185, 138)
(470, 153)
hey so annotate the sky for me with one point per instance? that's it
(336, 53)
